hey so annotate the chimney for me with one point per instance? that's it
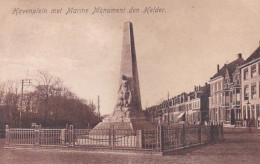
(239, 55)
(217, 68)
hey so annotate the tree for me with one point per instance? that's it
(49, 103)
(47, 85)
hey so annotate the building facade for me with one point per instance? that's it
(225, 94)
(250, 71)
(152, 113)
(184, 108)
(197, 105)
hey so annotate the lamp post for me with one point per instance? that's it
(25, 82)
(247, 113)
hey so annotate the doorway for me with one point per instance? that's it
(232, 121)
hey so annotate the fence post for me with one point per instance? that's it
(109, 138)
(7, 136)
(222, 132)
(161, 133)
(139, 134)
(71, 137)
(212, 132)
(37, 136)
(112, 137)
(183, 135)
(62, 136)
(158, 137)
(199, 134)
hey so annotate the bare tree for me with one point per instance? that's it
(47, 85)
(10, 99)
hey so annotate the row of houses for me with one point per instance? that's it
(231, 96)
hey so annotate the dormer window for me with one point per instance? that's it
(226, 83)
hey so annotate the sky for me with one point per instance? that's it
(175, 50)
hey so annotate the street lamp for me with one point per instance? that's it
(25, 82)
(248, 112)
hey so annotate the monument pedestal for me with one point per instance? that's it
(126, 119)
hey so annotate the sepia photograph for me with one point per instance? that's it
(130, 81)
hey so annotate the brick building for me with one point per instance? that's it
(225, 94)
(189, 108)
(250, 71)
(197, 105)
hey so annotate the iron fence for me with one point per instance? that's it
(161, 139)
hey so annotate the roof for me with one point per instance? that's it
(231, 67)
(253, 56)
(204, 88)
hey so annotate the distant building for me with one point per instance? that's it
(185, 108)
(176, 107)
(251, 89)
(153, 113)
(225, 94)
(197, 105)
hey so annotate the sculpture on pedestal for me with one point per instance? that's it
(124, 93)
(128, 111)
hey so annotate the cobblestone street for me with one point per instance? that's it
(239, 146)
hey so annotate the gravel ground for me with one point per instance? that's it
(239, 147)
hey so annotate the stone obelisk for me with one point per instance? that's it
(128, 112)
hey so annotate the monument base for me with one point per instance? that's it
(134, 125)
(126, 119)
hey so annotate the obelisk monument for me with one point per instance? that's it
(128, 112)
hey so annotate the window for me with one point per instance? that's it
(253, 111)
(226, 83)
(246, 92)
(238, 114)
(227, 115)
(257, 110)
(236, 79)
(244, 112)
(253, 90)
(227, 93)
(253, 71)
(259, 68)
(245, 74)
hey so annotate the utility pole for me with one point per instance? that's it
(168, 109)
(92, 105)
(25, 82)
(98, 106)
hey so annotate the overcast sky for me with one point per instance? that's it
(175, 50)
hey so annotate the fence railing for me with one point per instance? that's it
(162, 139)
